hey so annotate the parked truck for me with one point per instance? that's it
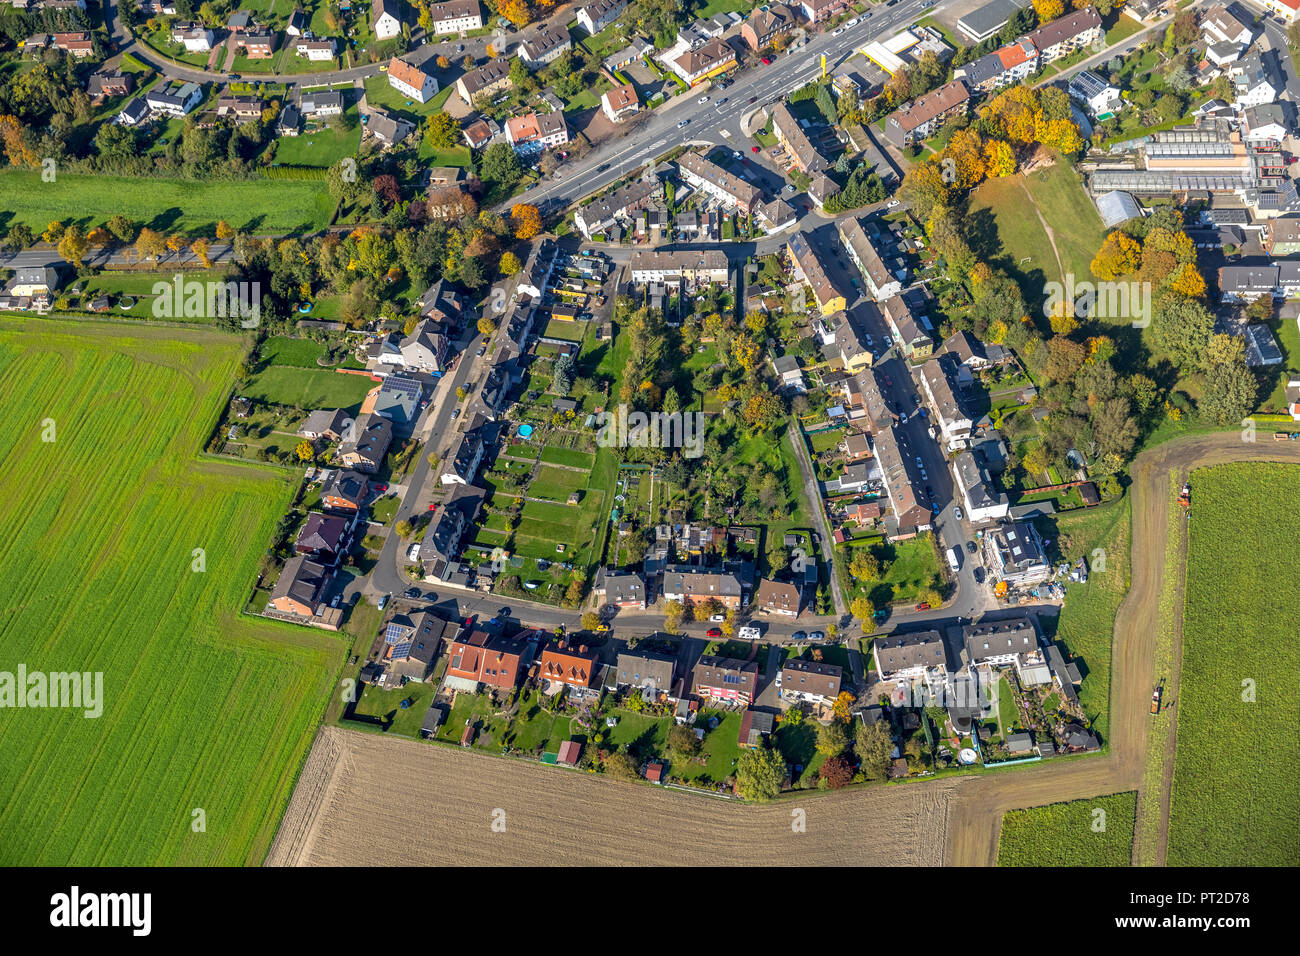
(1155, 700)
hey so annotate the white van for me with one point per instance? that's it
(954, 560)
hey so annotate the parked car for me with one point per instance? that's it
(753, 149)
(481, 350)
(702, 99)
(682, 123)
(767, 61)
(923, 606)
(970, 547)
(891, 204)
(718, 618)
(956, 513)
(413, 554)
(383, 601)
(713, 632)
(798, 636)
(816, 636)
(411, 593)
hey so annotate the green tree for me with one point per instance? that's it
(622, 766)
(760, 773)
(874, 744)
(683, 742)
(1230, 392)
(832, 738)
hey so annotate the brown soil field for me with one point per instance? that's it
(368, 800)
(363, 799)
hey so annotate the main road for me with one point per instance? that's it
(718, 122)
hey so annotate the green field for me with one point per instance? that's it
(323, 148)
(1066, 834)
(282, 350)
(203, 709)
(307, 388)
(169, 205)
(1087, 620)
(1236, 796)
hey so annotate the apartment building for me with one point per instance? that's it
(797, 145)
(922, 117)
(485, 80)
(693, 267)
(410, 80)
(715, 181)
(535, 132)
(1064, 35)
(880, 281)
(456, 16)
(953, 423)
(808, 268)
(598, 14)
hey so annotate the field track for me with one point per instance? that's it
(364, 799)
(977, 810)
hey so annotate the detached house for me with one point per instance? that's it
(776, 597)
(315, 50)
(300, 589)
(619, 102)
(343, 492)
(536, 132)
(323, 537)
(575, 668)
(480, 660)
(696, 66)
(409, 80)
(650, 673)
(324, 423)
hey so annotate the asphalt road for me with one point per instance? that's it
(718, 122)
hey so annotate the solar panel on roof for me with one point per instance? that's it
(394, 633)
(402, 650)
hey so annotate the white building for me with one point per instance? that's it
(456, 16)
(409, 80)
(982, 502)
(317, 50)
(387, 17)
(598, 14)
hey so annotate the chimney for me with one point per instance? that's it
(582, 649)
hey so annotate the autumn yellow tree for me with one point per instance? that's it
(962, 160)
(999, 159)
(200, 248)
(150, 244)
(1188, 281)
(1012, 115)
(224, 231)
(525, 220)
(1061, 135)
(516, 11)
(746, 351)
(509, 264)
(73, 244)
(1118, 256)
(1048, 10)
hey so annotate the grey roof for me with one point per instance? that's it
(997, 638)
(646, 668)
(1117, 207)
(896, 652)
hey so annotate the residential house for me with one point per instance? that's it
(258, 46)
(410, 80)
(808, 268)
(1281, 236)
(596, 217)
(326, 103)
(462, 467)
(1253, 82)
(133, 112)
(425, 348)
(441, 547)
(812, 681)
(726, 679)
(34, 282)
(195, 39)
(911, 339)
(386, 129)
(323, 537)
(909, 516)
(999, 643)
(909, 657)
(241, 108)
(922, 117)
(300, 589)
(638, 48)
(456, 16)
(1247, 283)
(102, 85)
(797, 145)
(880, 281)
(544, 43)
(621, 589)
(1064, 35)
(1219, 24)
(480, 132)
(697, 65)
(535, 276)
(983, 501)
(619, 102)
(324, 423)
(715, 181)
(396, 398)
(386, 18)
(487, 79)
(776, 597)
(1003, 67)
(693, 586)
(766, 25)
(174, 98)
(818, 11)
(1264, 126)
(1014, 554)
(953, 422)
(365, 448)
(535, 132)
(692, 267)
(576, 668)
(318, 51)
(411, 643)
(967, 350)
(343, 492)
(299, 23)
(479, 659)
(595, 15)
(650, 673)
(788, 371)
(1099, 98)
(241, 21)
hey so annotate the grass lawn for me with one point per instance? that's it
(385, 706)
(568, 456)
(282, 350)
(1236, 797)
(323, 148)
(380, 93)
(170, 205)
(202, 707)
(556, 483)
(1087, 620)
(456, 156)
(1069, 834)
(307, 388)
(911, 566)
(1005, 230)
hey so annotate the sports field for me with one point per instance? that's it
(1236, 796)
(206, 715)
(1095, 832)
(168, 205)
